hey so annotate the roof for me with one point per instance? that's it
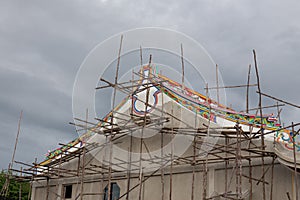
(183, 96)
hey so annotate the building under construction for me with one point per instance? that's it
(166, 141)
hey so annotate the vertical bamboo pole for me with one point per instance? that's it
(237, 165)
(129, 167)
(30, 188)
(226, 165)
(78, 166)
(182, 66)
(204, 180)
(47, 187)
(240, 162)
(194, 159)
(112, 122)
(16, 142)
(278, 113)
(83, 159)
(82, 173)
(261, 127)
(142, 134)
(32, 178)
(272, 178)
(162, 171)
(172, 149)
(59, 165)
(250, 179)
(131, 141)
(204, 194)
(247, 93)
(272, 168)
(217, 82)
(35, 165)
(162, 179)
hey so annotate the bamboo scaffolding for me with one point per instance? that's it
(238, 147)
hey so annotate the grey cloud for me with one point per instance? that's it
(42, 45)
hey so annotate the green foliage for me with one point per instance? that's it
(14, 188)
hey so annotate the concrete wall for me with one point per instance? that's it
(181, 185)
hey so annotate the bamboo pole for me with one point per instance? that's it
(182, 66)
(226, 165)
(131, 142)
(47, 186)
(204, 180)
(162, 154)
(250, 164)
(30, 187)
(82, 173)
(81, 161)
(277, 99)
(261, 125)
(112, 118)
(17, 138)
(145, 179)
(217, 83)
(278, 113)
(142, 135)
(204, 194)
(247, 93)
(5, 187)
(272, 168)
(272, 178)
(231, 86)
(240, 162)
(162, 180)
(171, 164)
(194, 160)
(250, 179)
(263, 107)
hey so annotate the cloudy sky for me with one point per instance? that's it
(43, 43)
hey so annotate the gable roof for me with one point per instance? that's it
(185, 97)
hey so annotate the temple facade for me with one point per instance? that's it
(166, 141)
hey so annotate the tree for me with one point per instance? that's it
(14, 188)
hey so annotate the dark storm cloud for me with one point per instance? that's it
(43, 43)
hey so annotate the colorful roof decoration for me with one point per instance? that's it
(191, 100)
